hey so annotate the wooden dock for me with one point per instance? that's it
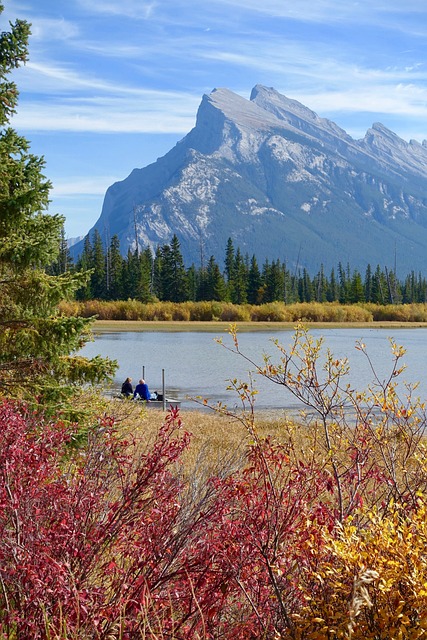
(163, 403)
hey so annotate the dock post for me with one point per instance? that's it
(143, 371)
(163, 390)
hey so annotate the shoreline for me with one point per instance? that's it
(214, 326)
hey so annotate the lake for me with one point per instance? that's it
(196, 365)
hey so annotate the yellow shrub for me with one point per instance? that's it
(372, 581)
(235, 313)
(271, 312)
(201, 311)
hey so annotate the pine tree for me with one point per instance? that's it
(240, 280)
(144, 286)
(344, 284)
(368, 284)
(64, 261)
(98, 264)
(35, 340)
(379, 287)
(214, 285)
(130, 274)
(193, 282)
(306, 291)
(115, 275)
(157, 287)
(320, 286)
(179, 276)
(83, 265)
(274, 282)
(229, 261)
(332, 294)
(173, 276)
(357, 292)
(254, 282)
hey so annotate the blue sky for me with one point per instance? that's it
(113, 84)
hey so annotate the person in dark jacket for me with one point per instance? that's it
(141, 391)
(127, 389)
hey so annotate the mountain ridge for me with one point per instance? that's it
(282, 182)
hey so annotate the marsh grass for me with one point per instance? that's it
(218, 442)
(226, 312)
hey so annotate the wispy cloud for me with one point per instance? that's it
(62, 78)
(130, 8)
(53, 29)
(161, 115)
(329, 11)
(81, 185)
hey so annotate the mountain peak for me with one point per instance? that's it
(392, 149)
(280, 181)
(238, 109)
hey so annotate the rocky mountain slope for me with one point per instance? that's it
(282, 183)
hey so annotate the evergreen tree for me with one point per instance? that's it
(98, 265)
(344, 284)
(144, 286)
(157, 285)
(320, 286)
(64, 261)
(422, 289)
(332, 294)
(229, 261)
(240, 280)
(193, 283)
(35, 340)
(180, 291)
(215, 288)
(254, 282)
(357, 291)
(393, 287)
(289, 293)
(130, 274)
(379, 287)
(306, 291)
(274, 282)
(115, 273)
(83, 265)
(367, 286)
(172, 273)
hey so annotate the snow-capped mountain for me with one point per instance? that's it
(283, 183)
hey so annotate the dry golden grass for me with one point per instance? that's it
(165, 315)
(109, 326)
(217, 441)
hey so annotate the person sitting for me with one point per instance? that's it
(141, 391)
(127, 389)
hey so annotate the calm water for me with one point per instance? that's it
(196, 365)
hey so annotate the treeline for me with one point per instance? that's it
(163, 276)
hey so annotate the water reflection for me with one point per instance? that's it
(195, 364)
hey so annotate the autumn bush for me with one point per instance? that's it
(401, 313)
(271, 312)
(299, 538)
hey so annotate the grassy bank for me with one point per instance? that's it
(107, 326)
(220, 314)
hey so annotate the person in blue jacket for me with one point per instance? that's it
(141, 391)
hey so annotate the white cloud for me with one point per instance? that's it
(53, 29)
(107, 116)
(331, 11)
(81, 185)
(131, 8)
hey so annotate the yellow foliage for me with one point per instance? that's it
(373, 580)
